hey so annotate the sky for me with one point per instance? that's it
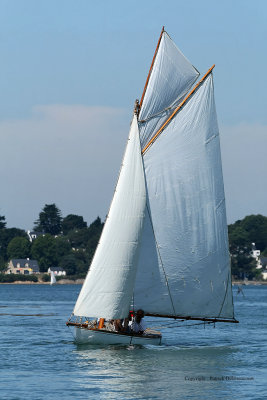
(70, 72)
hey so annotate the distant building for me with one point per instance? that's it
(34, 235)
(261, 261)
(58, 271)
(23, 266)
(254, 252)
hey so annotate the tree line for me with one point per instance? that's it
(63, 242)
(251, 229)
(69, 243)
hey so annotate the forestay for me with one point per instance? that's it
(187, 207)
(108, 288)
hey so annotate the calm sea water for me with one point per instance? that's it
(40, 361)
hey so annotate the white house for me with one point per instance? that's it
(33, 235)
(58, 271)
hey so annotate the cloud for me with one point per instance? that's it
(69, 155)
(244, 158)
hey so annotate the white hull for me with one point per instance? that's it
(87, 336)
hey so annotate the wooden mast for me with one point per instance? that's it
(149, 73)
(177, 109)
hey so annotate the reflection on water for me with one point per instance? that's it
(154, 372)
(192, 363)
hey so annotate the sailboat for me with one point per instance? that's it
(53, 280)
(164, 246)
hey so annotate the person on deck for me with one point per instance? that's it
(127, 322)
(118, 325)
(137, 325)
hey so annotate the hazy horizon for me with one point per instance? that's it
(70, 74)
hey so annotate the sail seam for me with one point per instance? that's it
(211, 138)
(219, 204)
(161, 262)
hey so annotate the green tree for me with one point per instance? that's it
(72, 222)
(252, 229)
(49, 221)
(95, 230)
(256, 226)
(44, 250)
(63, 247)
(2, 222)
(19, 247)
(6, 235)
(69, 264)
(86, 238)
(83, 242)
(78, 238)
(96, 226)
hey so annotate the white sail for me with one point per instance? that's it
(164, 246)
(171, 77)
(186, 198)
(108, 288)
(150, 291)
(53, 278)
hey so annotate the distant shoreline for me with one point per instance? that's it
(80, 282)
(60, 282)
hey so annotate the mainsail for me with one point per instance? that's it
(164, 247)
(187, 211)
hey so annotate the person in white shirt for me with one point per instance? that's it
(137, 325)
